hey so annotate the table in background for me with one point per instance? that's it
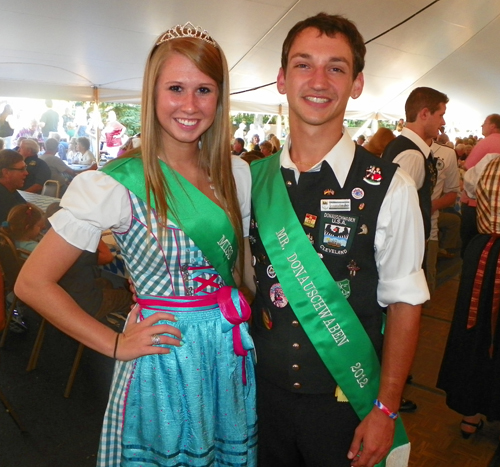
(78, 167)
(41, 201)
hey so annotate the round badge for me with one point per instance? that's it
(270, 272)
(254, 260)
(358, 193)
(439, 163)
(277, 296)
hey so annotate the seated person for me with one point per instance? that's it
(86, 157)
(38, 170)
(23, 227)
(59, 171)
(90, 288)
(12, 174)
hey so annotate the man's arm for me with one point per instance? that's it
(412, 162)
(376, 431)
(447, 199)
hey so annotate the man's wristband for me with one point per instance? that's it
(384, 409)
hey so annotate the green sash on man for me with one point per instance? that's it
(326, 316)
(199, 217)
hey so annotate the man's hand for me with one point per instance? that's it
(372, 439)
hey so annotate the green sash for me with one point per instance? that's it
(326, 316)
(199, 217)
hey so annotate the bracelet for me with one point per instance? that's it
(384, 409)
(116, 344)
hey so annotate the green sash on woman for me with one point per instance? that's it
(326, 316)
(199, 217)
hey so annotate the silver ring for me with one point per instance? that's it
(155, 339)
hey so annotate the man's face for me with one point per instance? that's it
(14, 176)
(25, 150)
(319, 78)
(434, 122)
(487, 127)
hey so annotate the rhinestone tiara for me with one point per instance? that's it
(188, 30)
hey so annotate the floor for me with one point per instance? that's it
(65, 432)
(434, 429)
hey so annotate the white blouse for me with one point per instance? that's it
(95, 202)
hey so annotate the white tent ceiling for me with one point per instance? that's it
(64, 48)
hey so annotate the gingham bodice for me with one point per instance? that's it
(173, 265)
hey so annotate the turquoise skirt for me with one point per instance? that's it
(194, 406)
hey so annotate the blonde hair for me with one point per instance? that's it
(215, 151)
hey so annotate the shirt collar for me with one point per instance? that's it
(339, 158)
(412, 136)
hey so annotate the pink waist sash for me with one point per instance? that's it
(231, 302)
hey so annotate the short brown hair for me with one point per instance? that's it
(423, 98)
(331, 25)
(8, 158)
(84, 141)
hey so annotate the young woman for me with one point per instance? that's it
(183, 389)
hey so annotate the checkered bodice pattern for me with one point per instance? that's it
(169, 266)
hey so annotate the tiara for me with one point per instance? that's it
(188, 30)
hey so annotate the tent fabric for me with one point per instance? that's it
(78, 50)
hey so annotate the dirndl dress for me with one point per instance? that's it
(470, 371)
(196, 405)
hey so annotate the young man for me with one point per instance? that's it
(425, 109)
(330, 235)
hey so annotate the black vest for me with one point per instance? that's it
(396, 147)
(344, 239)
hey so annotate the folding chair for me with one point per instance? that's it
(10, 262)
(51, 188)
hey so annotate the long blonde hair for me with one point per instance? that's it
(215, 151)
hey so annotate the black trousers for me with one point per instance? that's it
(468, 227)
(302, 430)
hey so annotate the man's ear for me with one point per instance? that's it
(424, 114)
(357, 86)
(280, 81)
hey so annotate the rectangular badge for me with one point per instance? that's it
(335, 205)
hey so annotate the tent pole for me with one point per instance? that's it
(95, 90)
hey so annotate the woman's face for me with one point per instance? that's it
(186, 101)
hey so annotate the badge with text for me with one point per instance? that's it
(328, 205)
(373, 175)
(338, 232)
(278, 296)
(310, 220)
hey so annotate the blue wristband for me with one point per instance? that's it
(384, 409)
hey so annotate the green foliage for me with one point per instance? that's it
(387, 124)
(128, 115)
(355, 123)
